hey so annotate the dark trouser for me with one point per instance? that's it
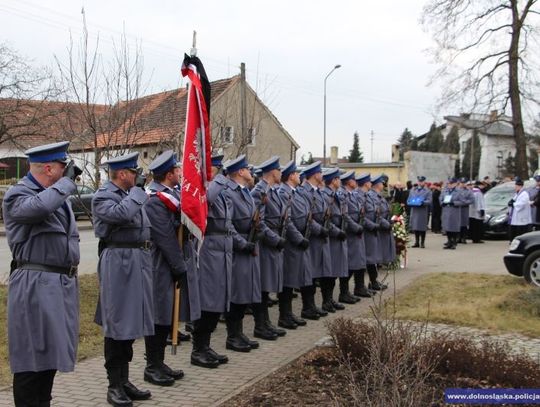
(308, 297)
(517, 230)
(436, 222)
(372, 273)
(452, 238)
(285, 298)
(118, 354)
(476, 227)
(344, 282)
(207, 323)
(327, 288)
(33, 389)
(463, 233)
(236, 312)
(359, 279)
(419, 237)
(155, 344)
(260, 309)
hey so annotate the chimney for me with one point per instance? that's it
(395, 153)
(493, 116)
(333, 155)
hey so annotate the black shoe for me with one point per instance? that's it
(222, 359)
(347, 299)
(237, 344)
(296, 320)
(422, 246)
(182, 337)
(478, 241)
(328, 307)
(415, 245)
(176, 374)
(287, 323)
(264, 333)
(337, 305)
(156, 375)
(117, 397)
(203, 359)
(310, 314)
(134, 393)
(275, 329)
(321, 312)
(248, 310)
(363, 292)
(377, 286)
(189, 326)
(252, 344)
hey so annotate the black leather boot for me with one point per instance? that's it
(131, 390)
(200, 355)
(327, 298)
(234, 340)
(261, 330)
(285, 320)
(116, 395)
(176, 374)
(308, 312)
(271, 327)
(155, 372)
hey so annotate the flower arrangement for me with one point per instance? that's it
(401, 237)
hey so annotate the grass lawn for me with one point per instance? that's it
(90, 337)
(496, 303)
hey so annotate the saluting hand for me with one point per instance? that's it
(72, 171)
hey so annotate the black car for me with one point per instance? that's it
(81, 201)
(496, 219)
(523, 257)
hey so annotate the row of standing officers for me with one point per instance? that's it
(278, 236)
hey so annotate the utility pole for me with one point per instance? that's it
(243, 113)
(372, 134)
(472, 157)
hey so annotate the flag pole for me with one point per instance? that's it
(176, 300)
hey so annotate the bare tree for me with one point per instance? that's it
(484, 49)
(107, 100)
(24, 95)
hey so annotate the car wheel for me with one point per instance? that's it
(531, 268)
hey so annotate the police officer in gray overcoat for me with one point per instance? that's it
(296, 262)
(169, 264)
(374, 227)
(467, 199)
(356, 251)
(338, 239)
(271, 243)
(387, 244)
(420, 203)
(43, 295)
(451, 202)
(319, 245)
(246, 275)
(215, 269)
(125, 308)
(363, 182)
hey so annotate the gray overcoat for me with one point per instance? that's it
(356, 250)
(296, 261)
(167, 256)
(216, 253)
(43, 307)
(420, 214)
(371, 226)
(246, 274)
(387, 244)
(319, 247)
(126, 305)
(451, 213)
(467, 198)
(338, 248)
(272, 217)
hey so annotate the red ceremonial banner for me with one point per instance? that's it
(196, 161)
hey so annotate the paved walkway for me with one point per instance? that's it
(206, 387)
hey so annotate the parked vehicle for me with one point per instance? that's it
(523, 257)
(81, 201)
(496, 220)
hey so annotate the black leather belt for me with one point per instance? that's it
(218, 233)
(68, 271)
(146, 245)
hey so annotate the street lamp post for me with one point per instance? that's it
(324, 135)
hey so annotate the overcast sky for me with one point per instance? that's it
(288, 47)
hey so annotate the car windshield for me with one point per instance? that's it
(498, 197)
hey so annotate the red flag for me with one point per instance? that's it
(196, 161)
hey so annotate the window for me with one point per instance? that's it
(227, 134)
(145, 154)
(463, 146)
(251, 133)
